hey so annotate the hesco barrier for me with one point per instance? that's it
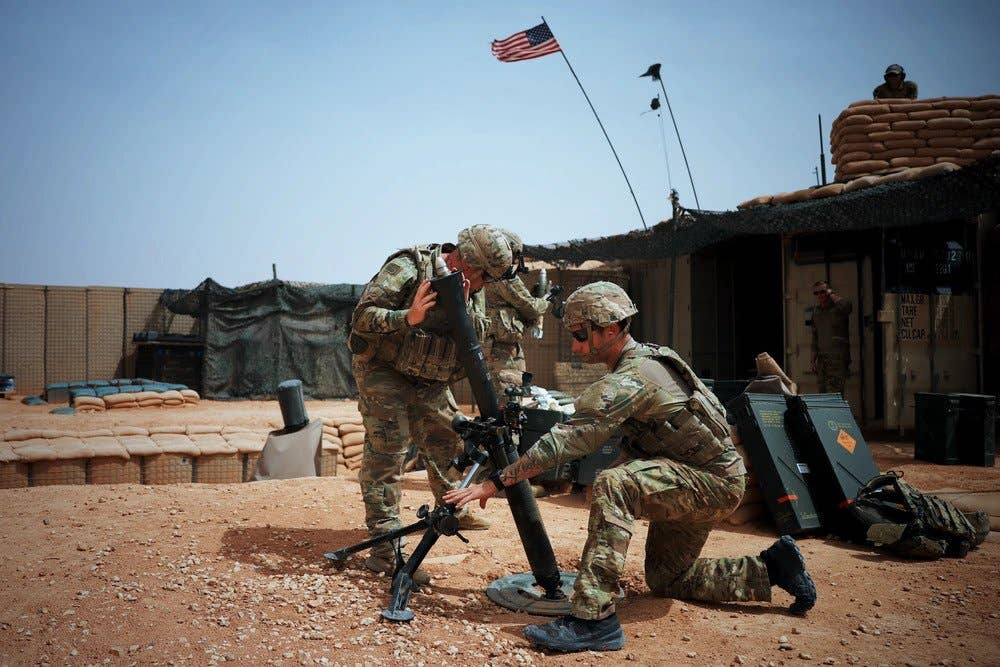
(53, 333)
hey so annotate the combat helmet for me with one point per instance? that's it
(895, 69)
(516, 244)
(602, 303)
(487, 248)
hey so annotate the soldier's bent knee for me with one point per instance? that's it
(610, 482)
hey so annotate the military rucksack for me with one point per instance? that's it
(890, 513)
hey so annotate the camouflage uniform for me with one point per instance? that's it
(907, 90)
(403, 373)
(511, 310)
(681, 471)
(831, 344)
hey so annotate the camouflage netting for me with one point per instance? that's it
(956, 195)
(260, 334)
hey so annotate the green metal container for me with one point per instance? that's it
(936, 428)
(976, 430)
(829, 439)
(780, 470)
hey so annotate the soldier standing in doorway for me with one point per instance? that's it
(831, 339)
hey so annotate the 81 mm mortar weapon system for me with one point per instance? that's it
(487, 438)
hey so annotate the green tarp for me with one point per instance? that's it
(261, 334)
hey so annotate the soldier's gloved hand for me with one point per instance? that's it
(423, 300)
(481, 492)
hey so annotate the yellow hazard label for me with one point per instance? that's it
(846, 441)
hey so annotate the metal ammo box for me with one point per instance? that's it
(782, 474)
(976, 430)
(537, 423)
(831, 443)
(936, 428)
(592, 465)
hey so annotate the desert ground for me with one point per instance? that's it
(201, 574)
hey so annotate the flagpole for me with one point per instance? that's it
(613, 151)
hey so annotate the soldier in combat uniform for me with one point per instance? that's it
(404, 362)
(512, 313)
(896, 86)
(831, 339)
(679, 469)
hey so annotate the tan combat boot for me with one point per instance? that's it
(384, 561)
(471, 521)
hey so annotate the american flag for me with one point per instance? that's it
(531, 43)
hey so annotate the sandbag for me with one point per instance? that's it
(990, 104)
(909, 125)
(951, 142)
(129, 430)
(892, 135)
(853, 156)
(909, 107)
(860, 183)
(763, 200)
(174, 443)
(20, 435)
(890, 117)
(353, 451)
(899, 176)
(951, 103)
(857, 119)
(895, 144)
(827, 191)
(350, 428)
(352, 439)
(867, 146)
(949, 123)
(930, 114)
(111, 400)
(936, 169)
(894, 153)
(864, 166)
(911, 162)
(937, 152)
(991, 143)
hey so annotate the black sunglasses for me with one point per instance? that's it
(580, 335)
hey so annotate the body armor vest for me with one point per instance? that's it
(697, 435)
(889, 512)
(425, 351)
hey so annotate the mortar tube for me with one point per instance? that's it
(523, 506)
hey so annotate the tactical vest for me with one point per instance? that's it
(425, 351)
(506, 325)
(889, 512)
(697, 435)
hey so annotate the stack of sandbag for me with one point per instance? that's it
(347, 432)
(98, 399)
(332, 448)
(89, 404)
(121, 401)
(752, 507)
(875, 136)
(248, 443)
(172, 398)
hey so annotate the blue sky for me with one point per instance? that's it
(154, 144)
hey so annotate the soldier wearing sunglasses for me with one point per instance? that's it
(831, 339)
(679, 469)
